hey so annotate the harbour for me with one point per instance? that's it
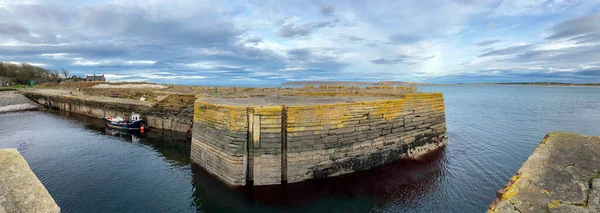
(122, 173)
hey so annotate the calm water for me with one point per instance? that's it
(492, 131)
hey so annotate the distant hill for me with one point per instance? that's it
(433, 84)
(551, 83)
(22, 73)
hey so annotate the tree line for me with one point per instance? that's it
(22, 73)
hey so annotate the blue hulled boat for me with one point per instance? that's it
(134, 123)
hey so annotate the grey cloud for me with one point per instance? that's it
(292, 30)
(575, 27)
(12, 29)
(404, 59)
(126, 23)
(327, 10)
(404, 38)
(587, 38)
(562, 58)
(352, 37)
(316, 59)
(299, 54)
(386, 61)
(507, 51)
(487, 42)
(510, 75)
(77, 50)
(254, 40)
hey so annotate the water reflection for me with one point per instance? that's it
(133, 136)
(402, 184)
(398, 186)
(175, 146)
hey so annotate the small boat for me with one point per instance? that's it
(134, 123)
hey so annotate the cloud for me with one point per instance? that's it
(404, 59)
(587, 38)
(387, 61)
(581, 26)
(404, 39)
(274, 41)
(299, 53)
(512, 75)
(352, 38)
(294, 68)
(507, 51)
(327, 10)
(487, 42)
(293, 30)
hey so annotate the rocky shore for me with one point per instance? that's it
(11, 101)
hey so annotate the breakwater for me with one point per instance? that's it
(265, 136)
(272, 140)
(155, 115)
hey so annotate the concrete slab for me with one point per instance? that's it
(20, 189)
(562, 175)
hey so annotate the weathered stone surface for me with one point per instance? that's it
(562, 175)
(154, 115)
(328, 136)
(20, 189)
(13, 101)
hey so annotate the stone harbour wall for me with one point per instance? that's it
(276, 144)
(219, 138)
(20, 189)
(154, 115)
(331, 140)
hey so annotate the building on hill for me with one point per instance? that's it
(6, 81)
(95, 77)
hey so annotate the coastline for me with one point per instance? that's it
(13, 101)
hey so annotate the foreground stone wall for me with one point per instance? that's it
(275, 144)
(155, 116)
(561, 175)
(20, 189)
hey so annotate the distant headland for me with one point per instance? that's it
(434, 84)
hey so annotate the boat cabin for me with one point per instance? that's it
(135, 117)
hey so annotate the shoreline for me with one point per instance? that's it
(13, 101)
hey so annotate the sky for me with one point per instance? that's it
(269, 42)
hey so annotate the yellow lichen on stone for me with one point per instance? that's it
(554, 204)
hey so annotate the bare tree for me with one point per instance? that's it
(22, 73)
(65, 73)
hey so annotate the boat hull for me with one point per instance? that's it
(133, 125)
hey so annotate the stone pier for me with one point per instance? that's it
(562, 175)
(155, 115)
(20, 189)
(270, 139)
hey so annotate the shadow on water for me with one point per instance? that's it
(402, 184)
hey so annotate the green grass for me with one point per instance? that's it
(18, 86)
